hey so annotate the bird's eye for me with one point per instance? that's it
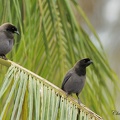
(84, 60)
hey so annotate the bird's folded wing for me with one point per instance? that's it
(66, 79)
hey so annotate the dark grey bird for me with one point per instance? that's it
(7, 31)
(74, 80)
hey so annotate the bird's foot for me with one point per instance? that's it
(79, 102)
(3, 57)
(67, 94)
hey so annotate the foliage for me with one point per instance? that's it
(52, 41)
(24, 95)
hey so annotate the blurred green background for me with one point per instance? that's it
(54, 35)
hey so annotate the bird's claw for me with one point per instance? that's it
(79, 102)
(3, 57)
(67, 95)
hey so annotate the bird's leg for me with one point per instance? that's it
(3, 57)
(78, 98)
(67, 94)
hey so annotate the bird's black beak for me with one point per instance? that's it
(89, 62)
(17, 32)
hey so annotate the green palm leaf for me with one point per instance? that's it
(25, 95)
(52, 41)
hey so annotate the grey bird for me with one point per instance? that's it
(74, 80)
(7, 31)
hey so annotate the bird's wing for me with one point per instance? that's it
(68, 75)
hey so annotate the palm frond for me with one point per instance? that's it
(52, 40)
(25, 95)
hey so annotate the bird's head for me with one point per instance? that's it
(9, 28)
(85, 62)
(80, 66)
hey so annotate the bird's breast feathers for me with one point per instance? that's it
(74, 84)
(5, 44)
